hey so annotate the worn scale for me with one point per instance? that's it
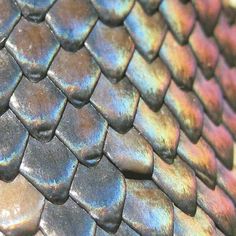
(117, 117)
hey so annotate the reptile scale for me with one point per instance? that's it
(117, 117)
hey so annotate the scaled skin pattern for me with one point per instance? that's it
(117, 118)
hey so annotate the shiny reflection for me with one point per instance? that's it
(50, 167)
(187, 109)
(180, 17)
(159, 128)
(100, 190)
(33, 46)
(21, 206)
(13, 139)
(71, 21)
(112, 48)
(67, 219)
(39, 106)
(201, 157)
(83, 131)
(205, 50)
(151, 79)
(117, 102)
(9, 16)
(113, 12)
(152, 213)
(75, 74)
(178, 181)
(147, 31)
(130, 152)
(180, 61)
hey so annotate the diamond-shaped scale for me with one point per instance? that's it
(75, 74)
(169, 177)
(201, 157)
(180, 17)
(187, 109)
(151, 79)
(83, 131)
(159, 128)
(35, 10)
(50, 167)
(221, 141)
(39, 106)
(180, 60)
(71, 21)
(67, 219)
(21, 206)
(147, 209)
(9, 15)
(209, 93)
(113, 12)
(10, 75)
(130, 152)
(150, 6)
(112, 47)
(205, 50)
(117, 102)
(13, 139)
(100, 190)
(33, 46)
(147, 31)
(208, 12)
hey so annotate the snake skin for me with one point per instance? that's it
(117, 117)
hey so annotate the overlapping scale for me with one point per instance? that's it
(153, 212)
(10, 14)
(71, 21)
(39, 106)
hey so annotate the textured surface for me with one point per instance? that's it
(117, 117)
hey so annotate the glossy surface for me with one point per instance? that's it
(210, 95)
(21, 206)
(150, 6)
(75, 74)
(10, 75)
(39, 106)
(218, 206)
(114, 40)
(117, 102)
(153, 212)
(205, 50)
(33, 46)
(178, 181)
(147, 31)
(130, 152)
(180, 61)
(187, 109)
(50, 167)
(200, 156)
(208, 12)
(229, 119)
(13, 139)
(10, 14)
(220, 140)
(180, 17)
(226, 78)
(225, 36)
(151, 79)
(83, 131)
(113, 12)
(200, 224)
(35, 10)
(90, 189)
(159, 128)
(71, 21)
(67, 219)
